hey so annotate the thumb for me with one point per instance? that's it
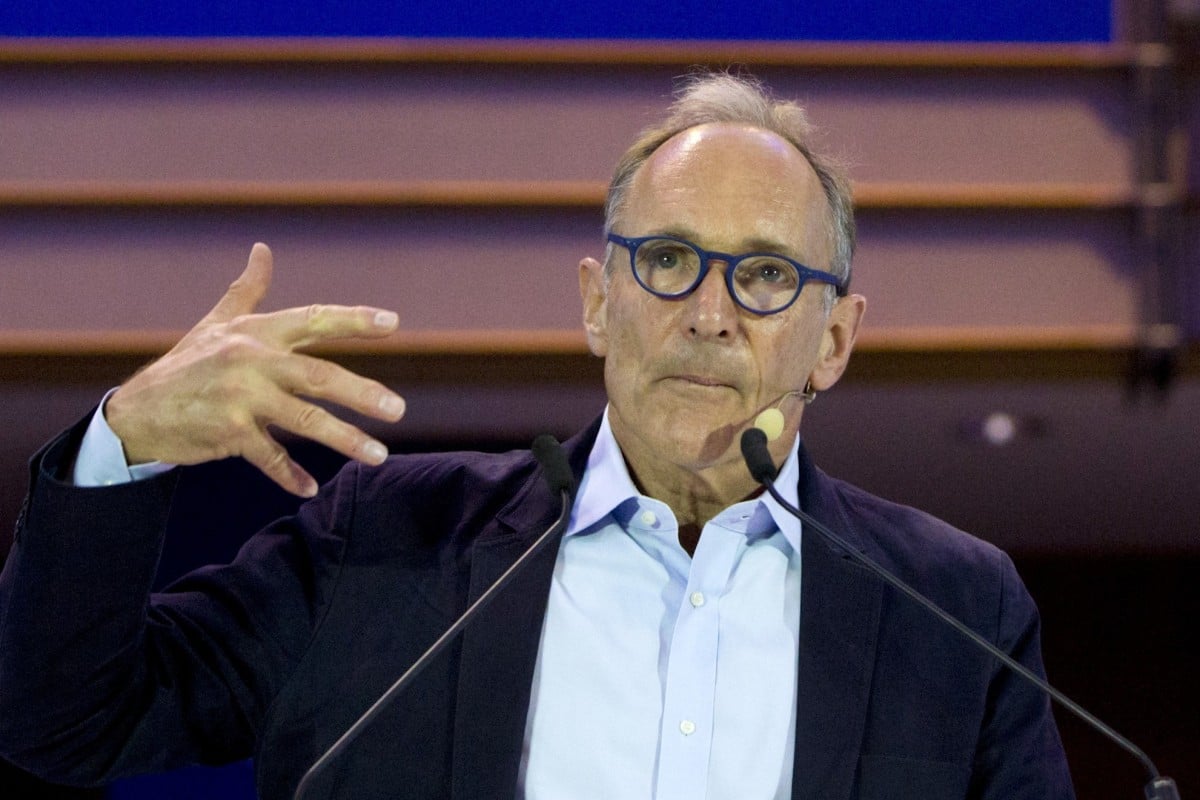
(245, 293)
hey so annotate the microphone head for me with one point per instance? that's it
(770, 422)
(757, 456)
(550, 455)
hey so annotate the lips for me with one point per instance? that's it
(703, 380)
(708, 372)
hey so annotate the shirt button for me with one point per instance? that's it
(687, 727)
(649, 518)
(697, 599)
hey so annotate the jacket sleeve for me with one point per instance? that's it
(1019, 752)
(99, 678)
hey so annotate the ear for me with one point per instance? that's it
(594, 293)
(841, 329)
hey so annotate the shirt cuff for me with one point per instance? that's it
(101, 458)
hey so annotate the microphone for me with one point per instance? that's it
(558, 476)
(553, 460)
(771, 420)
(762, 468)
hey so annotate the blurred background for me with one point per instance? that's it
(1026, 179)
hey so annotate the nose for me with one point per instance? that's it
(711, 312)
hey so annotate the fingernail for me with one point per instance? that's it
(386, 319)
(309, 488)
(392, 405)
(375, 452)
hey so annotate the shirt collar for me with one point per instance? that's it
(606, 484)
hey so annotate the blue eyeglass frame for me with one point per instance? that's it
(805, 274)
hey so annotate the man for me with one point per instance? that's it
(685, 640)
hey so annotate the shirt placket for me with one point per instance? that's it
(689, 691)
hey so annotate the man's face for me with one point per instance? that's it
(686, 376)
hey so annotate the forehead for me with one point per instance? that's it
(730, 184)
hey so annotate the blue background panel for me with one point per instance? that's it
(842, 20)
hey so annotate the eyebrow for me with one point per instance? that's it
(750, 245)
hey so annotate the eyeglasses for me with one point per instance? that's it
(762, 283)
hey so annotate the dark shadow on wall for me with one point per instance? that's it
(1120, 637)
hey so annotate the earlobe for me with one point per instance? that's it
(837, 341)
(594, 292)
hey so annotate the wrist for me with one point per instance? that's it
(115, 415)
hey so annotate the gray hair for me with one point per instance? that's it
(720, 97)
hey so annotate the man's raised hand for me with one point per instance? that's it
(236, 373)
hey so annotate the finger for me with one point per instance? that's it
(273, 461)
(310, 421)
(245, 293)
(323, 380)
(308, 325)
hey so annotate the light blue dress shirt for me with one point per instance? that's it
(661, 675)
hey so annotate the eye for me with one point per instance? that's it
(767, 272)
(667, 267)
(663, 255)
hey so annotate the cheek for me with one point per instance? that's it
(787, 356)
(637, 325)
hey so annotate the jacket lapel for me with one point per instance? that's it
(499, 649)
(839, 619)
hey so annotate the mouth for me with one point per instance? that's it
(703, 381)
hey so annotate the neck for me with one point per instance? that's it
(694, 497)
(696, 485)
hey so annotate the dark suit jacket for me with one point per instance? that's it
(277, 653)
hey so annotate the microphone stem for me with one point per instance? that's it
(434, 650)
(1158, 788)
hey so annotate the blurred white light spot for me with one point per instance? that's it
(999, 428)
